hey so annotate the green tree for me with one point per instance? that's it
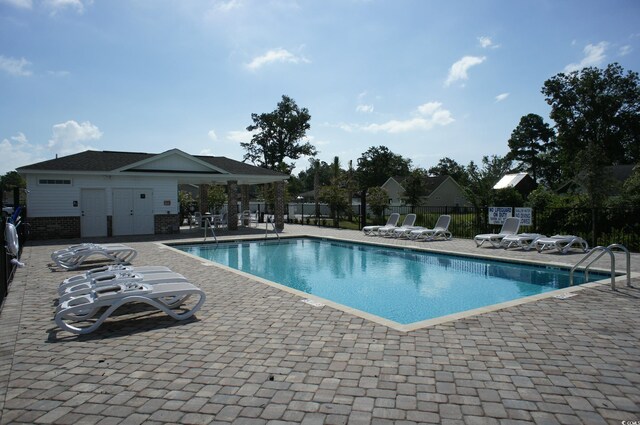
(279, 136)
(216, 198)
(12, 179)
(350, 183)
(449, 167)
(334, 194)
(597, 116)
(480, 190)
(378, 200)
(531, 138)
(414, 187)
(377, 164)
(631, 188)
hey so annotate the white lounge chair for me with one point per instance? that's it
(391, 221)
(163, 296)
(563, 243)
(408, 222)
(509, 227)
(525, 241)
(108, 269)
(440, 230)
(74, 256)
(113, 278)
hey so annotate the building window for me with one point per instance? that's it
(54, 181)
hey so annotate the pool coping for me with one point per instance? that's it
(318, 302)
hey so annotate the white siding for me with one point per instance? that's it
(173, 162)
(58, 200)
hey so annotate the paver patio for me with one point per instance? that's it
(255, 354)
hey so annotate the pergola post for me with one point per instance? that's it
(204, 191)
(244, 194)
(279, 212)
(232, 213)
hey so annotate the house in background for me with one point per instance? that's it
(103, 193)
(616, 175)
(441, 191)
(522, 182)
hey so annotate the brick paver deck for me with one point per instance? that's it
(257, 355)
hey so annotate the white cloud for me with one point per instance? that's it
(426, 117)
(17, 67)
(501, 97)
(16, 151)
(364, 108)
(458, 70)
(275, 55)
(487, 43)
(240, 136)
(69, 137)
(225, 6)
(24, 4)
(625, 50)
(58, 5)
(594, 55)
(212, 135)
(60, 74)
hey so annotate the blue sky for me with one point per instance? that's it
(426, 78)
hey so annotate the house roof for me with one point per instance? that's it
(431, 182)
(510, 180)
(111, 162)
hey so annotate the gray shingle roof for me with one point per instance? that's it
(109, 161)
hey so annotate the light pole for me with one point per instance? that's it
(300, 198)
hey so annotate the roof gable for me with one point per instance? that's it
(173, 160)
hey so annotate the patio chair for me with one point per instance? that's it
(440, 230)
(165, 297)
(373, 230)
(74, 256)
(563, 243)
(509, 227)
(408, 222)
(525, 241)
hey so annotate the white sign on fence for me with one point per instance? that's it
(525, 215)
(497, 215)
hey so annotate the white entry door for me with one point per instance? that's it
(93, 218)
(132, 212)
(143, 212)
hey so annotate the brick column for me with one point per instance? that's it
(232, 196)
(279, 213)
(244, 194)
(204, 191)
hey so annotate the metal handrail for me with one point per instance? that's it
(266, 228)
(602, 250)
(207, 224)
(628, 257)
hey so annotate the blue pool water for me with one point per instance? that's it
(405, 286)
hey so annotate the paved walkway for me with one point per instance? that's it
(257, 355)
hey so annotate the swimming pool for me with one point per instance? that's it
(400, 285)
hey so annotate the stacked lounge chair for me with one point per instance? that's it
(75, 255)
(87, 300)
(525, 241)
(562, 243)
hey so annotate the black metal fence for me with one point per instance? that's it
(600, 226)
